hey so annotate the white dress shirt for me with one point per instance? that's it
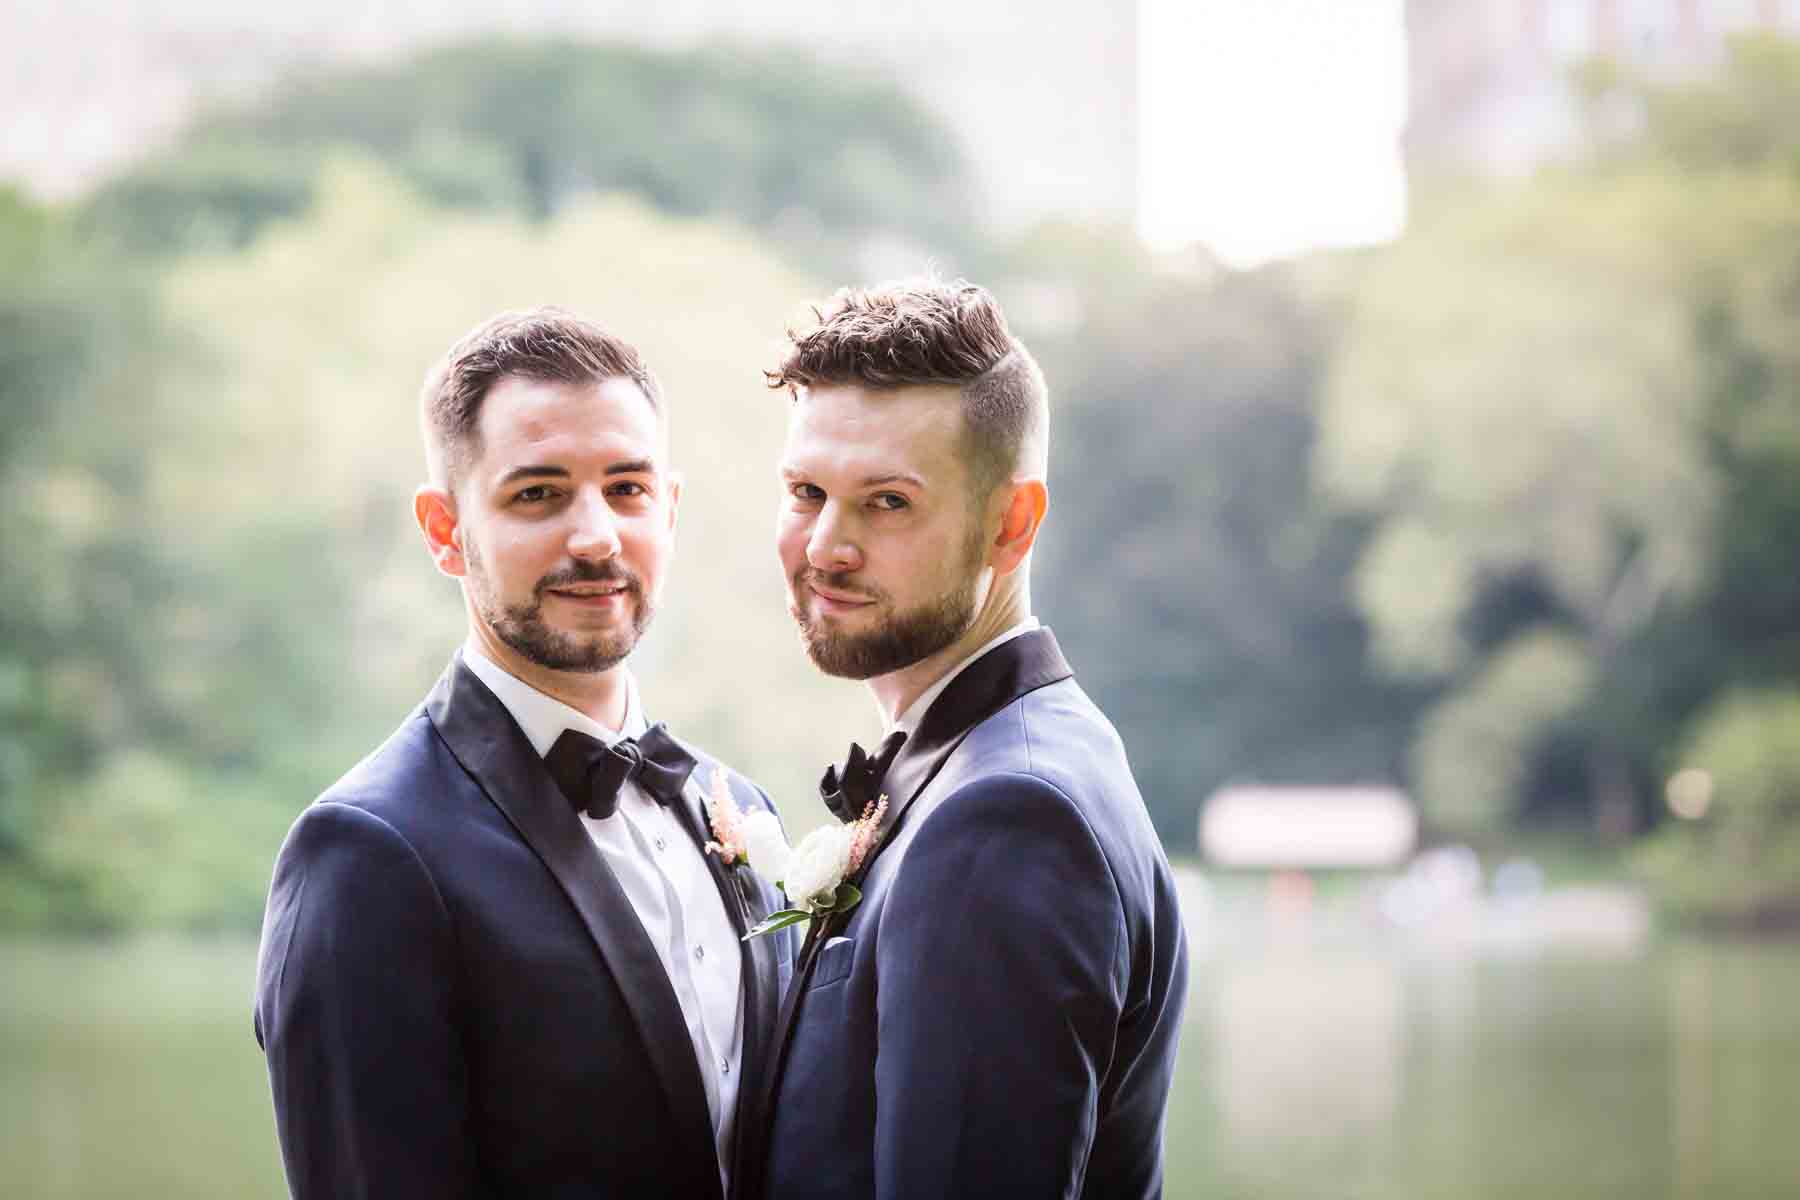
(915, 712)
(664, 875)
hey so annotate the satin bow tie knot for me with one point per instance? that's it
(850, 788)
(590, 772)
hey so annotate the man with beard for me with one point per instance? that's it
(998, 1015)
(496, 960)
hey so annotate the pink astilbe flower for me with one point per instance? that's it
(867, 832)
(727, 821)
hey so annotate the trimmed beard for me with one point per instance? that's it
(904, 638)
(523, 628)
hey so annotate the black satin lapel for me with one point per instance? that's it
(987, 685)
(910, 773)
(743, 901)
(761, 971)
(489, 744)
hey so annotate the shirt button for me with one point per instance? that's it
(700, 953)
(661, 842)
(724, 1066)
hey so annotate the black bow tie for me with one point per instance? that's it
(848, 790)
(590, 772)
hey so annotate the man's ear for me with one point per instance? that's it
(435, 510)
(674, 478)
(1026, 501)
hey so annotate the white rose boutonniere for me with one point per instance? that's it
(766, 846)
(811, 875)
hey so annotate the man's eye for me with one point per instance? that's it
(535, 493)
(890, 501)
(629, 488)
(807, 491)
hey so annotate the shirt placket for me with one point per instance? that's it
(651, 843)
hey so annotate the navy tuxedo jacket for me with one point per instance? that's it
(998, 1017)
(457, 999)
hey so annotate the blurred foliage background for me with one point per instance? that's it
(1526, 550)
(1503, 512)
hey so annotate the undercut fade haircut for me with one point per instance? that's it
(547, 345)
(918, 332)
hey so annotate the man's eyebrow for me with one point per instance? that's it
(530, 472)
(893, 477)
(792, 472)
(628, 466)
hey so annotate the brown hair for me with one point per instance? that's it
(920, 332)
(546, 344)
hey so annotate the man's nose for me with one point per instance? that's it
(833, 546)
(595, 532)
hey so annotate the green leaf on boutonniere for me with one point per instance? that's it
(777, 920)
(843, 898)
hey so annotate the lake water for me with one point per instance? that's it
(128, 1070)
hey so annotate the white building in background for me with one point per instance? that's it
(1043, 94)
(1488, 78)
(1304, 828)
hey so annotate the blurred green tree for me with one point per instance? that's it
(1734, 864)
(1570, 406)
(1525, 436)
(72, 476)
(1200, 591)
(130, 635)
(819, 158)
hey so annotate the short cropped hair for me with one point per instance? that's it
(544, 344)
(922, 332)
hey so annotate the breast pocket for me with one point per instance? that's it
(835, 957)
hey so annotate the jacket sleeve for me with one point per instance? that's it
(355, 1011)
(1002, 979)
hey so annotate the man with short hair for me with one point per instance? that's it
(496, 959)
(998, 1015)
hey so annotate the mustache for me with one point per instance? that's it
(607, 571)
(838, 581)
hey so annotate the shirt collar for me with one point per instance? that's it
(543, 718)
(909, 720)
